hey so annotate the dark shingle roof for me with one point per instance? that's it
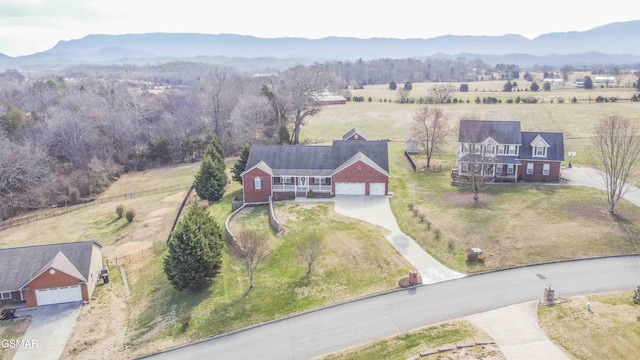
(504, 132)
(316, 160)
(555, 140)
(18, 265)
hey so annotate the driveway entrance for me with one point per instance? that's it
(376, 210)
(49, 330)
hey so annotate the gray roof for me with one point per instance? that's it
(555, 152)
(504, 132)
(19, 265)
(316, 160)
(355, 131)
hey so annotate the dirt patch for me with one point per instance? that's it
(590, 212)
(177, 197)
(102, 328)
(458, 198)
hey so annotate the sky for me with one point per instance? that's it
(31, 26)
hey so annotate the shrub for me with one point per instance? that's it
(120, 211)
(410, 205)
(421, 216)
(184, 319)
(130, 215)
(471, 256)
(404, 282)
(636, 296)
(415, 211)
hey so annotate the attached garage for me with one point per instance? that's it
(377, 189)
(350, 188)
(59, 295)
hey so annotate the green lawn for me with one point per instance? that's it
(358, 261)
(610, 331)
(516, 224)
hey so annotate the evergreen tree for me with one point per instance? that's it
(393, 85)
(588, 82)
(241, 164)
(210, 180)
(507, 87)
(215, 151)
(534, 86)
(408, 86)
(195, 251)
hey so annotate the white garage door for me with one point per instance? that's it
(377, 188)
(59, 295)
(344, 188)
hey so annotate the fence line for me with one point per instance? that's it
(137, 256)
(63, 210)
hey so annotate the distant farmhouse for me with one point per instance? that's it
(354, 165)
(501, 152)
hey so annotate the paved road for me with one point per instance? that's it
(358, 322)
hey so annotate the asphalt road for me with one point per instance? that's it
(358, 322)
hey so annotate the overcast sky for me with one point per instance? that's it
(30, 26)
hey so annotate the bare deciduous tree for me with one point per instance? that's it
(300, 85)
(615, 150)
(475, 156)
(310, 247)
(443, 92)
(430, 129)
(252, 248)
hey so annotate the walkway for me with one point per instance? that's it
(377, 211)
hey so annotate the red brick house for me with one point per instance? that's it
(502, 152)
(49, 274)
(352, 166)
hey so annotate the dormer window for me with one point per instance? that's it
(540, 151)
(539, 147)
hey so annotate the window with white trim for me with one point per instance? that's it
(546, 169)
(500, 149)
(510, 169)
(512, 149)
(320, 180)
(5, 295)
(529, 168)
(465, 167)
(540, 151)
(257, 183)
(286, 179)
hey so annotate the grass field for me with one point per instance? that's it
(611, 330)
(412, 343)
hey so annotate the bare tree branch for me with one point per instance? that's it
(430, 129)
(252, 248)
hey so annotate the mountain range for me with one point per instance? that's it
(615, 43)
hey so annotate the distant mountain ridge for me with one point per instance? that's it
(612, 43)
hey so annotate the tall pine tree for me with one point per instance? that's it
(215, 151)
(210, 180)
(241, 164)
(195, 251)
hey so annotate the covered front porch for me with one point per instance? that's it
(301, 185)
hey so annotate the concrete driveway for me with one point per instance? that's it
(50, 329)
(376, 210)
(589, 177)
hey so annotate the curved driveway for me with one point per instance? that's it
(361, 321)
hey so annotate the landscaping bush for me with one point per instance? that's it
(471, 256)
(130, 215)
(120, 211)
(404, 282)
(636, 296)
